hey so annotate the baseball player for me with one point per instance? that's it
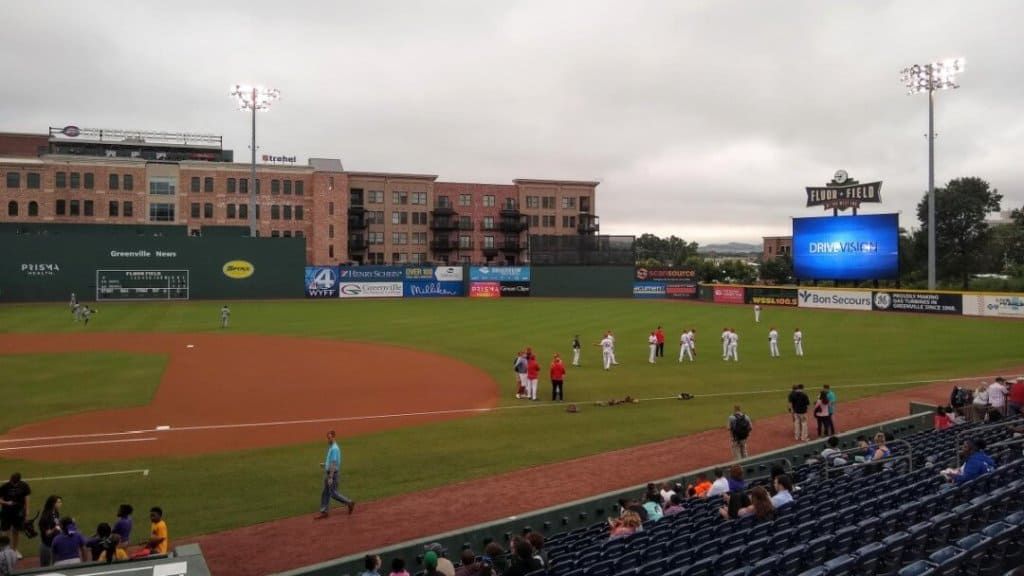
(733, 351)
(76, 312)
(798, 342)
(685, 346)
(611, 336)
(773, 342)
(607, 351)
(576, 350)
(757, 313)
(225, 313)
(725, 343)
(85, 312)
(652, 343)
(693, 342)
(519, 366)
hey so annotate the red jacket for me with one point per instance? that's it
(1017, 393)
(557, 371)
(532, 369)
(660, 336)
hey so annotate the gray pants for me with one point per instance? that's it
(739, 449)
(223, 321)
(331, 491)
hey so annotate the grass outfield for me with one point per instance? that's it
(214, 492)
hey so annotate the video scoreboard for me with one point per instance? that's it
(142, 285)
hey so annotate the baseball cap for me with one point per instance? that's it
(430, 560)
(435, 547)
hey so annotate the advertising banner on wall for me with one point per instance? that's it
(729, 295)
(771, 296)
(439, 273)
(997, 305)
(370, 289)
(673, 275)
(926, 302)
(499, 273)
(514, 289)
(371, 274)
(675, 290)
(648, 290)
(485, 290)
(321, 282)
(432, 289)
(834, 299)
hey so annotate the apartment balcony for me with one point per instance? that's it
(444, 223)
(512, 246)
(443, 208)
(485, 227)
(588, 223)
(490, 251)
(514, 225)
(466, 226)
(357, 219)
(357, 245)
(444, 245)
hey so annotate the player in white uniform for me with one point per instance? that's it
(225, 313)
(607, 354)
(652, 343)
(693, 342)
(576, 350)
(773, 342)
(611, 337)
(685, 346)
(733, 352)
(725, 343)
(757, 313)
(798, 342)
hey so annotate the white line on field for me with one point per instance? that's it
(64, 444)
(143, 471)
(545, 404)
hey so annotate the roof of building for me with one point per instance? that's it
(557, 182)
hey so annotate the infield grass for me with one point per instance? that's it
(214, 492)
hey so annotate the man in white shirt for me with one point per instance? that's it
(719, 486)
(611, 337)
(798, 342)
(773, 342)
(733, 352)
(997, 396)
(757, 313)
(725, 343)
(685, 346)
(606, 351)
(783, 491)
(652, 342)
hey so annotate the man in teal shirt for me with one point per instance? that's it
(831, 409)
(332, 467)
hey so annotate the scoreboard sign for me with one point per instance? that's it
(142, 285)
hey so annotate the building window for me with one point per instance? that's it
(286, 188)
(489, 200)
(568, 221)
(90, 181)
(548, 221)
(419, 218)
(126, 209)
(287, 233)
(398, 257)
(75, 208)
(195, 210)
(14, 179)
(465, 223)
(375, 197)
(419, 257)
(533, 201)
(88, 208)
(534, 221)
(465, 199)
(231, 212)
(61, 207)
(32, 180)
(488, 223)
(419, 237)
(231, 185)
(400, 198)
(208, 184)
(330, 251)
(398, 217)
(330, 208)
(129, 182)
(159, 185)
(275, 187)
(330, 231)
(195, 184)
(33, 208)
(12, 208)
(299, 186)
(375, 217)
(568, 202)
(112, 208)
(208, 210)
(298, 212)
(258, 211)
(275, 234)
(399, 238)
(419, 198)
(243, 185)
(465, 242)
(113, 183)
(160, 212)
(243, 211)
(548, 203)
(275, 212)
(287, 215)
(488, 241)
(375, 238)
(299, 234)
(61, 180)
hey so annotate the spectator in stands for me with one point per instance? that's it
(864, 447)
(760, 506)
(653, 507)
(737, 497)
(675, 506)
(158, 539)
(101, 542)
(1016, 400)
(69, 545)
(49, 527)
(798, 404)
(701, 487)
(783, 491)
(468, 564)
(997, 396)
(398, 567)
(976, 461)
(831, 410)
(486, 566)
(719, 486)
(536, 539)
(832, 455)
(371, 565)
(635, 507)
(123, 525)
(444, 565)
(523, 561)
(955, 419)
(821, 413)
(625, 525)
(666, 492)
(880, 450)
(8, 558)
(736, 481)
(497, 556)
(980, 402)
(941, 418)
(430, 564)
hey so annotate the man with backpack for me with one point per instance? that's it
(739, 427)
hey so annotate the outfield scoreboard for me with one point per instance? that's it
(142, 285)
(847, 247)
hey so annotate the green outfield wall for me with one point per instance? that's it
(581, 281)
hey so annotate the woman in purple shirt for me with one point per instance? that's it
(123, 526)
(68, 546)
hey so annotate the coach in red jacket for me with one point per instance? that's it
(532, 374)
(557, 375)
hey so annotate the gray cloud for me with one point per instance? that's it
(701, 119)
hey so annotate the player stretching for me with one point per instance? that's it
(773, 342)
(798, 342)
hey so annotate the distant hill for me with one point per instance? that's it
(730, 248)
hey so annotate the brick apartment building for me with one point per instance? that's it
(776, 246)
(86, 176)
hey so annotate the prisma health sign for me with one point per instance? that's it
(847, 247)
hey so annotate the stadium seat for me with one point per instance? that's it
(655, 551)
(867, 530)
(781, 539)
(868, 557)
(765, 567)
(920, 537)
(818, 549)
(741, 571)
(895, 546)
(843, 542)
(791, 560)
(627, 561)
(730, 559)
(919, 568)
(843, 565)
(816, 571)
(654, 568)
(947, 560)
(602, 568)
(705, 567)
(755, 550)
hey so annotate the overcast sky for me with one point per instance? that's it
(700, 119)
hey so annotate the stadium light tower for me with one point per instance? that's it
(254, 99)
(929, 78)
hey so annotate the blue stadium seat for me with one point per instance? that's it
(816, 571)
(818, 550)
(843, 565)
(705, 567)
(867, 530)
(602, 568)
(730, 559)
(755, 550)
(655, 551)
(919, 568)
(627, 561)
(781, 539)
(653, 568)
(679, 558)
(844, 540)
(791, 560)
(943, 528)
(947, 560)
(920, 536)
(868, 557)
(1015, 518)
(768, 566)
(895, 546)
(741, 571)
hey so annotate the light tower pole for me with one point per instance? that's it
(929, 78)
(253, 99)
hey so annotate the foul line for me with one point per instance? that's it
(544, 404)
(144, 472)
